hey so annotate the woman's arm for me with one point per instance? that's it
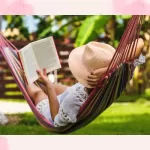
(53, 101)
(95, 75)
(52, 97)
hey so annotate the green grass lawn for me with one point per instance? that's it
(121, 118)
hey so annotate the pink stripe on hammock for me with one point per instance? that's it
(32, 106)
(132, 31)
(115, 61)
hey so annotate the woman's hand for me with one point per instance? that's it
(43, 77)
(95, 76)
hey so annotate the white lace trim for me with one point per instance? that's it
(140, 60)
(79, 92)
(41, 105)
(68, 113)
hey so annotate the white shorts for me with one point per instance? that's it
(70, 102)
(44, 109)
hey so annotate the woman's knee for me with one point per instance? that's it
(59, 88)
(38, 94)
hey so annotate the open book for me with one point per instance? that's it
(37, 56)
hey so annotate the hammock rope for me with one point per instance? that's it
(103, 95)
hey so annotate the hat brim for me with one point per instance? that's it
(77, 66)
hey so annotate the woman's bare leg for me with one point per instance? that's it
(59, 88)
(35, 93)
(38, 95)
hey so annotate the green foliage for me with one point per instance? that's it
(126, 16)
(16, 21)
(63, 26)
(22, 124)
(91, 29)
(79, 28)
(119, 119)
(44, 26)
(121, 23)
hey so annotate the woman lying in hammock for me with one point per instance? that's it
(60, 104)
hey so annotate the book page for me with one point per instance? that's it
(46, 54)
(29, 63)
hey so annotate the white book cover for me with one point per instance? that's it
(37, 56)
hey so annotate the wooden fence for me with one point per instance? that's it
(8, 87)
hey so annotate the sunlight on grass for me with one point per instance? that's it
(125, 109)
(120, 119)
(147, 92)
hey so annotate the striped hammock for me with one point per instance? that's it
(103, 95)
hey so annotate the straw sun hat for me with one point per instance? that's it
(94, 55)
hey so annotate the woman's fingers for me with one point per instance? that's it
(44, 71)
(39, 72)
(92, 80)
(95, 76)
(99, 72)
(92, 77)
(92, 84)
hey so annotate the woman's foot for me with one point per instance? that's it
(139, 49)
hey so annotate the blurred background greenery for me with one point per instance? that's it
(78, 30)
